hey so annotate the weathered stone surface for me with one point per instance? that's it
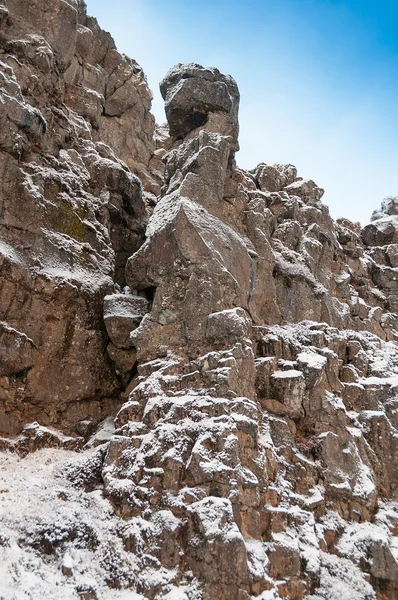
(17, 351)
(250, 363)
(381, 232)
(122, 314)
(191, 92)
(71, 211)
(125, 360)
(273, 178)
(56, 23)
(288, 387)
(307, 190)
(34, 437)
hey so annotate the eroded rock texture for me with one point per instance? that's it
(248, 341)
(72, 211)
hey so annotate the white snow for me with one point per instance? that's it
(340, 579)
(311, 360)
(290, 374)
(39, 509)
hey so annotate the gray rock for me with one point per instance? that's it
(191, 92)
(273, 178)
(251, 363)
(122, 314)
(17, 351)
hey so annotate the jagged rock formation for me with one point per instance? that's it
(248, 341)
(72, 211)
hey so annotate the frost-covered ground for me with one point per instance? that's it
(58, 541)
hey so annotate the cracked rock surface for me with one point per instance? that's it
(72, 211)
(238, 344)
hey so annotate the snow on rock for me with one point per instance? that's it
(56, 540)
(341, 580)
(198, 364)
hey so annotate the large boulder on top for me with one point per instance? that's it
(191, 92)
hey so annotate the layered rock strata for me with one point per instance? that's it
(247, 340)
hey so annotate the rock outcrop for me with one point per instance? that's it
(245, 343)
(72, 211)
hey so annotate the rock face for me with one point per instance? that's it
(245, 342)
(72, 212)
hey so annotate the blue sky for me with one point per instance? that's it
(318, 81)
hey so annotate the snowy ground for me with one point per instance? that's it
(61, 542)
(57, 541)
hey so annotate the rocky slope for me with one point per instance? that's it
(242, 344)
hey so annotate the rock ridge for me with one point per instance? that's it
(238, 346)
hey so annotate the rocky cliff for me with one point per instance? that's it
(198, 366)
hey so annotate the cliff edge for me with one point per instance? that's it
(198, 365)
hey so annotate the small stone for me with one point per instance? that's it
(67, 565)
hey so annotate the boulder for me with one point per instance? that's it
(191, 92)
(122, 314)
(17, 351)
